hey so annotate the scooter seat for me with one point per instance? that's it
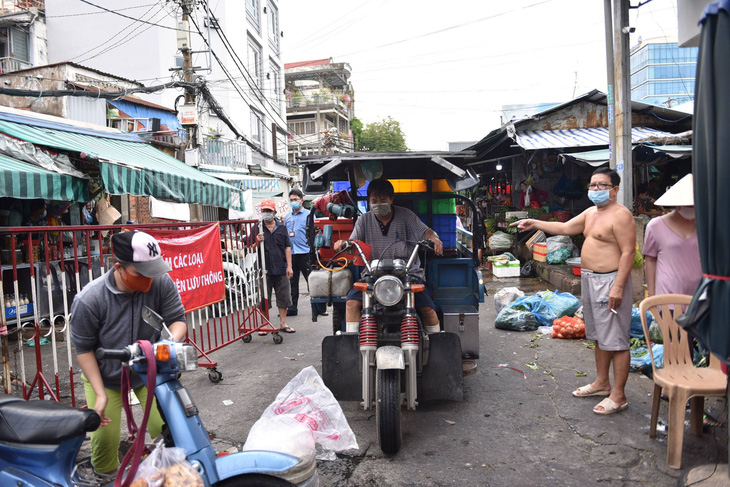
(43, 422)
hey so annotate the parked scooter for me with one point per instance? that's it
(393, 348)
(40, 440)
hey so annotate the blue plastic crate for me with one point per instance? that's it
(345, 185)
(445, 226)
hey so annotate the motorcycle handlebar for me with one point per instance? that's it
(125, 354)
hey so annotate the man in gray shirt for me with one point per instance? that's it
(108, 313)
(389, 229)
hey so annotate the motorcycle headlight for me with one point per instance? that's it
(187, 357)
(388, 290)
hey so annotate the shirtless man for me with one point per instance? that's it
(606, 261)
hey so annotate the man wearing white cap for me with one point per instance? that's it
(671, 250)
(107, 313)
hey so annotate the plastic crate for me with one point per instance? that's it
(420, 185)
(445, 227)
(438, 206)
(510, 269)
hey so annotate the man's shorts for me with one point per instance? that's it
(610, 330)
(422, 299)
(280, 284)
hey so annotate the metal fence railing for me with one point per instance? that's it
(44, 268)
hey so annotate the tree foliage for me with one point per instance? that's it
(356, 127)
(383, 136)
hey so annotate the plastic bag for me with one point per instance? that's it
(559, 256)
(527, 270)
(640, 357)
(559, 242)
(516, 320)
(568, 327)
(638, 258)
(655, 333)
(562, 303)
(501, 241)
(637, 331)
(505, 297)
(537, 306)
(167, 467)
(307, 401)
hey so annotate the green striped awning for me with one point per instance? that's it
(25, 181)
(130, 165)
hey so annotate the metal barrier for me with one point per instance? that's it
(48, 266)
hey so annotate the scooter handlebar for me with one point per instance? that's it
(125, 354)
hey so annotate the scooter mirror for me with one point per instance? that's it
(150, 317)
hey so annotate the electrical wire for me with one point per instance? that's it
(96, 13)
(130, 18)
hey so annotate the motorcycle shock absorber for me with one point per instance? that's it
(409, 332)
(368, 331)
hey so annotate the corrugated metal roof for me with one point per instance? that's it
(558, 139)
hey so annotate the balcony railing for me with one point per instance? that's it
(10, 64)
(15, 6)
(223, 153)
(302, 100)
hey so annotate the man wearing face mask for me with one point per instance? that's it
(671, 250)
(108, 313)
(606, 261)
(277, 249)
(387, 229)
(296, 225)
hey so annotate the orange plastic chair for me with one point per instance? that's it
(679, 379)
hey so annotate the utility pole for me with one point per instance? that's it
(183, 43)
(608, 20)
(622, 101)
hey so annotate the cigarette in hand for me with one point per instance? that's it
(613, 311)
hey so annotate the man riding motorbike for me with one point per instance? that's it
(391, 231)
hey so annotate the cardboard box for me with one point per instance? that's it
(539, 252)
(510, 269)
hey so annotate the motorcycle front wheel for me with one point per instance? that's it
(254, 480)
(387, 410)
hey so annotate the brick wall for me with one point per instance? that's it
(139, 210)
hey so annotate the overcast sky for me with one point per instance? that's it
(445, 69)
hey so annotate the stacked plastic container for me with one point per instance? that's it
(414, 191)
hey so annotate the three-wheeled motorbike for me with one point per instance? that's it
(390, 361)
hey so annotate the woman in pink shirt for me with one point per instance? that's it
(671, 251)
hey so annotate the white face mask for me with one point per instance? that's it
(686, 212)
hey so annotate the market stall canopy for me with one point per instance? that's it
(25, 181)
(262, 187)
(589, 137)
(129, 164)
(600, 157)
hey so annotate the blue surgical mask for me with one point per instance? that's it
(295, 205)
(599, 197)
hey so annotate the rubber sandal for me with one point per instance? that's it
(609, 407)
(286, 329)
(589, 391)
(263, 333)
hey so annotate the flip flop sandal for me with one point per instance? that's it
(263, 333)
(609, 407)
(589, 391)
(286, 329)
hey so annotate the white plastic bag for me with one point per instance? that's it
(505, 297)
(165, 467)
(501, 241)
(559, 242)
(307, 402)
